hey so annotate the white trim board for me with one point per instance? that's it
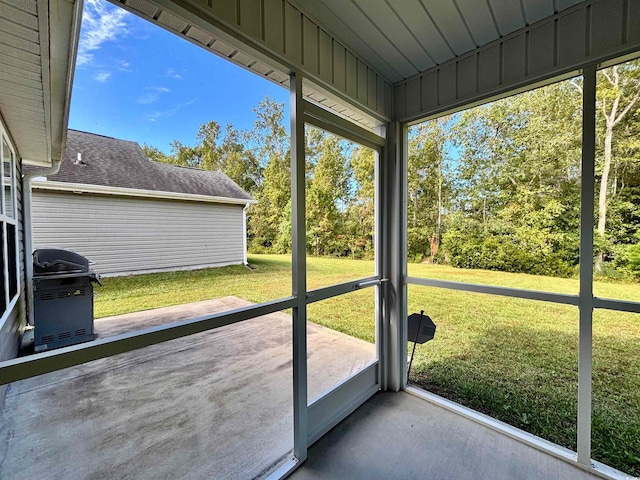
(80, 188)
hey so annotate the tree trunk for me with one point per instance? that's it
(602, 198)
(435, 243)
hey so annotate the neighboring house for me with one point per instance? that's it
(128, 214)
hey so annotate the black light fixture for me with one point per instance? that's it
(421, 330)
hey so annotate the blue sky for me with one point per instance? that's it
(138, 82)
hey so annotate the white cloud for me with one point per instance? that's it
(101, 77)
(101, 22)
(152, 117)
(173, 74)
(151, 95)
(123, 66)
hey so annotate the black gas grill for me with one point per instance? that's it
(63, 299)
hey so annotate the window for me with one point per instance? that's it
(8, 227)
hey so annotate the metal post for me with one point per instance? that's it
(380, 302)
(299, 270)
(394, 202)
(586, 264)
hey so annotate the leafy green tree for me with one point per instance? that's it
(618, 96)
(428, 187)
(328, 196)
(267, 219)
(360, 216)
(154, 154)
(517, 183)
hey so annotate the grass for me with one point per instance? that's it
(513, 359)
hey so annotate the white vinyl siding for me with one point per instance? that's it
(124, 235)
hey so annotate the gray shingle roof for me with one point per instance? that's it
(122, 163)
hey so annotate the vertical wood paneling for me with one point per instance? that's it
(371, 88)
(553, 47)
(273, 25)
(226, 10)
(429, 91)
(293, 35)
(633, 32)
(447, 83)
(326, 57)
(388, 96)
(363, 82)
(339, 66)
(514, 59)
(250, 19)
(606, 25)
(489, 68)
(310, 45)
(572, 47)
(412, 99)
(399, 98)
(380, 95)
(352, 75)
(467, 76)
(541, 48)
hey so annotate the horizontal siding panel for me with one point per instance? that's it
(123, 235)
(19, 31)
(19, 43)
(20, 16)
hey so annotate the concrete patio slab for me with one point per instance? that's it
(213, 405)
(397, 436)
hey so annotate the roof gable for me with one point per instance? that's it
(112, 162)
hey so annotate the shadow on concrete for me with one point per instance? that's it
(534, 388)
(213, 405)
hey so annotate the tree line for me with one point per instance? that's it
(493, 187)
(339, 182)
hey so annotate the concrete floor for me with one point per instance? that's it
(213, 405)
(400, 436)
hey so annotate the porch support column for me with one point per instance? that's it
(586, 264)
(395, 257)
(299, 270)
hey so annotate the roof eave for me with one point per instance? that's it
(62, 26)
(135, 192)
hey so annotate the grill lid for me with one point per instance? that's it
(47, 261)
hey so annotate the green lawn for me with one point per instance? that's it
(510, 358)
